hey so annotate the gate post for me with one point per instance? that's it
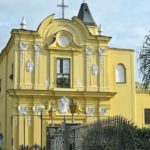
(69, 136)
(50, 134)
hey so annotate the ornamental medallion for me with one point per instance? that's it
(94, 69)
(29, 66)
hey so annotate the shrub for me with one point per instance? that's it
(116, 135)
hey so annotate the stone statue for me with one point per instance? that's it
(63, 104)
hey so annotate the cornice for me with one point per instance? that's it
(58, 93)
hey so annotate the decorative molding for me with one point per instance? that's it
(23, 46)
(103, 111)
(22, 57)
(88, 57)
(37, 54)
(37, 46)
(29, 66)
(63, 104)
(29, 120)
(80, 109)
(37, 110)
(90, 111)
(23, 110)
(94, 69)
(102, 51)
(89, 51)
(15, 120)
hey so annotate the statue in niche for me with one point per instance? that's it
(94, 69)
(29, 66)
(63, 104)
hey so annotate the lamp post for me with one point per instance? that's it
(23, 111)
(51, 113)
(73, 107)
(41, 109)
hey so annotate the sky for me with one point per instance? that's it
(127, 21)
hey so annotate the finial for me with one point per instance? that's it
(63, 6)
(100, 29)
(23, 23)
(83, 1)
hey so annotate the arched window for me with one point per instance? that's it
(120, 74)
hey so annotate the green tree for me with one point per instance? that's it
(144, 61)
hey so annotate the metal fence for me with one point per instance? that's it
(113, 133)
(33, 147)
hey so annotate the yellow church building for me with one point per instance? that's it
(65, 59)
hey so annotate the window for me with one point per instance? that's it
(120, 74)
(147, 116)
(63, 73)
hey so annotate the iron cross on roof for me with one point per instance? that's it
(63, 6)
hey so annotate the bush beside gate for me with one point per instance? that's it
(116, 133)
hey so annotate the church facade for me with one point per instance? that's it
(64, 59)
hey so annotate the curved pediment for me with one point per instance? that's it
(50, 27)
(62, 40)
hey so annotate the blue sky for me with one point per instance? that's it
(127, 21)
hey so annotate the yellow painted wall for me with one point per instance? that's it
(124, 101)
(39, 86)
(142, 102)
(6, 62)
